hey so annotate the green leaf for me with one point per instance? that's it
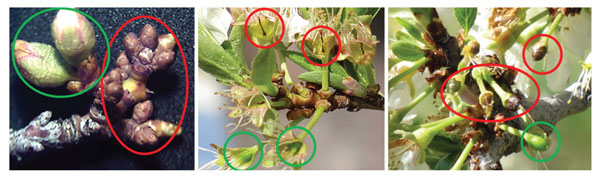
(446, 162)
(263, 67)
(213, 59)
(299, 59)
(445, 144)
(407, 50)
(411, 29)
(236, 37)
(402, 36)
(336, 81)
(465, 17)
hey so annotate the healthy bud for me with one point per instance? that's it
(40, 64)
(73, 36)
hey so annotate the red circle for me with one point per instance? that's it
(186, 90)
(489, 121)
(336, 55)
(282, 28)
(559, 60)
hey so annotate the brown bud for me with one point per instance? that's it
(512, 103)
(142, 111)
(149, 37)
(113, 92)
(122, 60)
(539, 52)
(132, 44)
(88, 70)
(163, 59)
(144, 135)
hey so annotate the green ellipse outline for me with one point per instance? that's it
(311, 136)
(107, 56)
(260, 145)
(557, 148)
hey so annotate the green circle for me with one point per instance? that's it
(557, 148)
(53, 95)
(239, 133)
(311, 136)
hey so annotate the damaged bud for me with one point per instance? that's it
(539, 50)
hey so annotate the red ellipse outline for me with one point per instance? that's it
(489, 121)
(282, 28)
(186, 90)
(336, 55)
(559, 60)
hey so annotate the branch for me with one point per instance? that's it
(574, 99)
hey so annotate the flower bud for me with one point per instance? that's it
(264, 28)
(40, 64)
(73, 36)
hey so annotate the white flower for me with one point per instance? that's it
(295, 25)
(217, 21)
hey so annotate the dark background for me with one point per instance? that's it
(168, 85)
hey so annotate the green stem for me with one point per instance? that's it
(463, 155)
(504, 96)
(370, 75)
(397, 116)
(280, 103)
(286, 73)
(396, 79)
(424, 136)
(313, 120)
(325, 75)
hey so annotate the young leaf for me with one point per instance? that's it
(411, 29)
(299, 59)
(348, 84)
(213, 59)
(446, 162)
(263, 67)
(402, 36)
(235, 37)
(465, 17)
(407, 50)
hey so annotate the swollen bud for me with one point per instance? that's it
(40, 64)
(73, 36)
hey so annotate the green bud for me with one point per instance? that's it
(73, 36)
(40, 64)
(322, 42)
(240, 158)
(264, 28)
(292, 150)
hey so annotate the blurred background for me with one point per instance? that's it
(345, 140)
